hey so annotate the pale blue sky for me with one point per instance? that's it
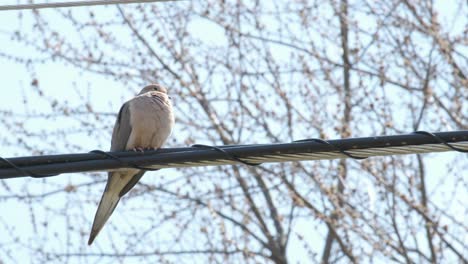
(57, 81)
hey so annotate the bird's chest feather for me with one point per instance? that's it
(151, 122)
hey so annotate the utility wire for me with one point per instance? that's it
(75, 3)
(202, 155)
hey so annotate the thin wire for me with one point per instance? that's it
(321, 141)
(75, 4)
(440, 140)
(25, 171)
(226, 154)
(123, 163)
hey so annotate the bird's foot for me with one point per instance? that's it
(143, 149)
(138, 149)
(151, 148)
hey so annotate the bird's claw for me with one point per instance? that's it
(152, 148)
(142, 149)
(138, 149)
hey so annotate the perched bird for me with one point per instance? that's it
(144, 122)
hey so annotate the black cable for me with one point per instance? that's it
(51, 165)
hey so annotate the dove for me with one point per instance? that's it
(144, 122)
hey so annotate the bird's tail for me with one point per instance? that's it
(107, 205)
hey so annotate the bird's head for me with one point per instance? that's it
(154, 88)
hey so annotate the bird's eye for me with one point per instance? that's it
(155, 88)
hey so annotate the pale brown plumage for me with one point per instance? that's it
(144, 122)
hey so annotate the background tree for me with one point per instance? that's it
(243, 72)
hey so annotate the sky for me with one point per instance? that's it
(57, 79)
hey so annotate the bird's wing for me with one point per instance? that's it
(122, 129)
(134, 180)
(120, 136)
(119, 182)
